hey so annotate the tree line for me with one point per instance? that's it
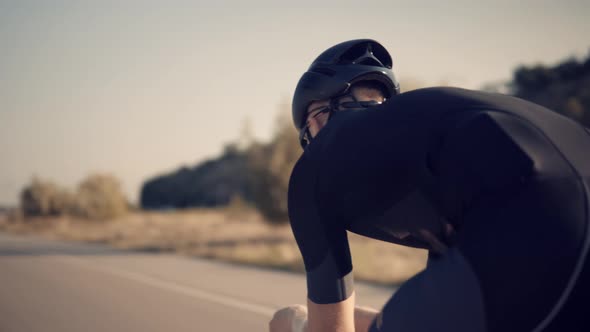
(259, 173)
(97, 197)
(564, 88)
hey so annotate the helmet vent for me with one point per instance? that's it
(369, 62)
(368, 54)
(325, 71)
(354, 53)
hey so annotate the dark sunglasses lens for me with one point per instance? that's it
(349, 104)
(357, 104)
(369, 103)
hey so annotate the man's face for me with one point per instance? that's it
(316, 120)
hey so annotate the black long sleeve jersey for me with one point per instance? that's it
(494, 186)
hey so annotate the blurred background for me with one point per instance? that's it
(166, 125)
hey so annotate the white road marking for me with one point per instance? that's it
(185, 290)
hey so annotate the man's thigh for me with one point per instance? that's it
(446, 296)
(511, 268)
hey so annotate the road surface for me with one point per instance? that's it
(55, 286)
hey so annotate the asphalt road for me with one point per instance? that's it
(56, 286)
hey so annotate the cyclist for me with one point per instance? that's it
(496, 188)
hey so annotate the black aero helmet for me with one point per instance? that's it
(337, 68)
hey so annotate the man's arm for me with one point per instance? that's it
(363, 318)
(294, 318)
(324, 247)
(341, 316)
(322, 241)
(333, 317)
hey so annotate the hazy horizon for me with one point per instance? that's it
(143, 87)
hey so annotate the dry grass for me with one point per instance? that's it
(223, 234)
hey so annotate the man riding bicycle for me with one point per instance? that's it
(495, 187)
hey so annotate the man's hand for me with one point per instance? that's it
(289, 319)
(294, 319)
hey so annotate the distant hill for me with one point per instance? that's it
(210, 183)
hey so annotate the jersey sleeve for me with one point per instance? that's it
(357, 167)
(370, 162)
(323, 243)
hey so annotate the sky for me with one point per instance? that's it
(141, 88)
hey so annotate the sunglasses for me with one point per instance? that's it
(334, 106)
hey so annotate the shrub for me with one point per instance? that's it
(99, 197)
(44, 198)
(271, 167)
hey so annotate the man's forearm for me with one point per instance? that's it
(334, 317)
(363, 318)
(294, 318)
